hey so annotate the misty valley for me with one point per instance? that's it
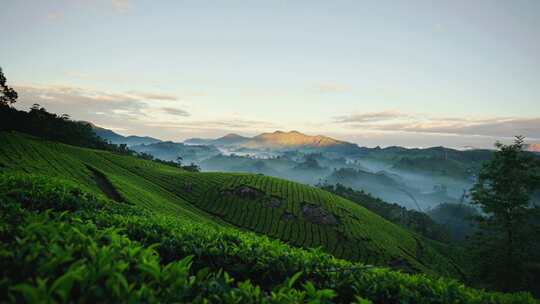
(418, 179)
(270, 152)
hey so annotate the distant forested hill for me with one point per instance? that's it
(117, 139)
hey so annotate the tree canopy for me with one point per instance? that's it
(506, 246)
(8, 95)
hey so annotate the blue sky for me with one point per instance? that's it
(412, 73)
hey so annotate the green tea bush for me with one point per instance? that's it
(86, 248)
(212, 199)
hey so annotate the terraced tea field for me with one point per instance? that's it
(301, 215)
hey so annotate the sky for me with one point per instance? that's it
(411, 73)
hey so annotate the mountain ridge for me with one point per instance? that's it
(533, 147)
(293, 139)
(299, 214)
(117, 139)
(278, 140)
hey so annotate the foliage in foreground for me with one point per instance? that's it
(355, 233)
(61, 243)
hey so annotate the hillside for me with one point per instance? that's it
(300, 215)
(436, 161)
(411, 219)
(292, 139)
(227, 140)
(61, 242)
(281, 141)
(117, 139)
(170, 151)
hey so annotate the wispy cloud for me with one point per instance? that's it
(369, 117)
(330, 87)
(154, 96)
(55, 16)
(176, 112)
(121, 5)
(70, 99)
(417, 123)
(222, 124)
(152, 113)
(496, 127)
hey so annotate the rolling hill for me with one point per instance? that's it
(227, 140)
(170, 151)
(300, 215)
(62, 242)
(117, 139)
(291, 140)
(282, 141)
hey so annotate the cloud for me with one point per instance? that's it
(237, 124)
(496, 127)
(175, 112)
(331, 87)
(87, 102)
(133, 112)
(121, 5)
(416, 123)
(154, 96)
(55, 16)
(369, 117)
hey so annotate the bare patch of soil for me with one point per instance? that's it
(288, 216)
(318, 215)
(272, 202)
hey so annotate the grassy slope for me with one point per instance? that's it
(60, 243)
(198, 197)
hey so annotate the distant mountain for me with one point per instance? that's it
(227, 140)
(533, 147)
(168, 150)
(280, 140)
(118, 139)
(292, 139)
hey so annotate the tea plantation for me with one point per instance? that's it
(94, 226)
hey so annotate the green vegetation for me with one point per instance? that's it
(60, 242)
(506, 248)
(458, 219)
(436, 161)
(110, 225)
(170, 151)
(301, 215)
(39, 122)
(435, 166)
(418, 222)
(8, 95)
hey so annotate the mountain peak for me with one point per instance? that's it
(533, 147)
(231, 136)
(289, 132)
(277, 140)
(292, 139)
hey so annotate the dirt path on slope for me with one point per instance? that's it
(105, 185)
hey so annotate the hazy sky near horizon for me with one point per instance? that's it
(411, 73)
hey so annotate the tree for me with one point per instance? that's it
(192, 168)
(504, 245)
(8, 96)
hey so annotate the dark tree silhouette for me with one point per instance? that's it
(8, 96)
